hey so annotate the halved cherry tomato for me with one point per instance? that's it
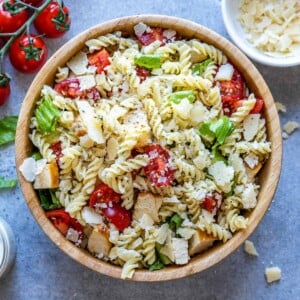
(143, 73)
(103, 194)
(258, 106)
(118, 215)
(28, 53)
(4, 88)
(60, 219)
(156, 34)
(158, 170)
(71, 88)
(211, 202)
(12, 16)
(56, 148)
(99, 59)
(53, 21)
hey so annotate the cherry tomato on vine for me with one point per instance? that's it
(54, 21)
(12, 16)
(4, 88)
(28, 53)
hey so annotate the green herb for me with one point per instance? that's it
(157, 265)
(199, 69)
(48, 199)
(175, 222)
(163, 258)
(177, 97)
(219, 130)
(8, 127)
(217, 156)
(7, 183)
(37, 155)
(46, 115)
(148, 61)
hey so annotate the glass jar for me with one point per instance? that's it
(7, 248)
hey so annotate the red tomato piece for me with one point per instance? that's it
(212, 202)
(258, 106)
(28, 53)
(4, 88)
(156, 34)
(35, 3)
(54, 21)
(12, 16)
(60, 219)
(103, 194)
(118, 215)
(92, 93)
(69, 88)
(99, 59)
(142, 72)
(56, 148)
(158, 170)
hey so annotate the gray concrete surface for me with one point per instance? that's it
(42, 271)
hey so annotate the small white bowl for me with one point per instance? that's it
(230, 10)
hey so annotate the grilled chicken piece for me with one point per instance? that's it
(199, 242)
(99, 240)
(48, 178)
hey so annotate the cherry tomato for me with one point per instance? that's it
(258, 106)
(12, 16)
(156, 34)
(4, 88)
(143, 73)
(71, 88)
(118, 215)
(56, 148)
(99, 59)
(60, 219)
(103, 194)
(35, 3)
(54, 21)
(158, 170)
(212, 202)
(28, 54)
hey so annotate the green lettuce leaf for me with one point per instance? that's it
(157, 265)
(48, 199)
(7, 183)
(148, 61)
(178, 96)
(47, 114)
(175, 222)
(8, 127)
(199, 69)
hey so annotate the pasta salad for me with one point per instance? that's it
(147, 148)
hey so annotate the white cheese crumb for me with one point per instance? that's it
(273, 274)
(280, 107)
(225, 72)
(30, 168)
(180, 251)
(249, 248)
(185, 233)
(222, 174)
(251, 160)
(169, 33)
(72, 235)
(250, 126)
(78, 63)
(290, 127)
(162, 233)
(90, 216)
(140, 28)
(86, 82)
(249, 196)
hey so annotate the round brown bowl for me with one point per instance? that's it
(269, 175)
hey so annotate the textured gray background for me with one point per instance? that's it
(42, 271)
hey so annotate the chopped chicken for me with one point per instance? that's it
(48, 178)
(98, 242)
(147, 203)
(199, 242)
(251, 173)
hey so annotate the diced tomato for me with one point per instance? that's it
(69, 88)
(158, 170)
(212, 201)
(56, 148)
(156, 34)
(258, 106)
(99, 59)
(103, 194)
(60, 219)
(142, 73)
(118, 215)
(92, 93)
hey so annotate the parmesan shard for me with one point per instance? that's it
(78, 63)
(273, 274)
(90, 216)
(90, 120)
(250, 248)
(86, 82)
(250, 126)
(290, 127)
(180, 251)
(225, 72)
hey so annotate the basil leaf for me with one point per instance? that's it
(157, 265)
(148, 61)
(199, 69)
(46, 115)
(8, 127)
(178, 96)
(7, 183)
(175, 222)
(48, 199)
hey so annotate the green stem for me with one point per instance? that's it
(17, 33)
(27, 5)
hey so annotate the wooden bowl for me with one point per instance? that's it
(269, 175)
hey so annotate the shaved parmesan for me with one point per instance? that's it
(249, 248)
(280, 107)
(225, 72)
(140, 28)
(290, 127)
(251, 124)
(90, 216)
(146, 221)
(180, 251)
(249, 196)
(273, 274)
(162, 233)
(86, 82)
(78, 64)
(30, 168)
(91, 121)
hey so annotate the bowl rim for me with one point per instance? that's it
(248, 48)
(23, 146)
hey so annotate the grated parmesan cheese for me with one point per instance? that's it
(272, 26)
(249, 248)
(273, 274)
